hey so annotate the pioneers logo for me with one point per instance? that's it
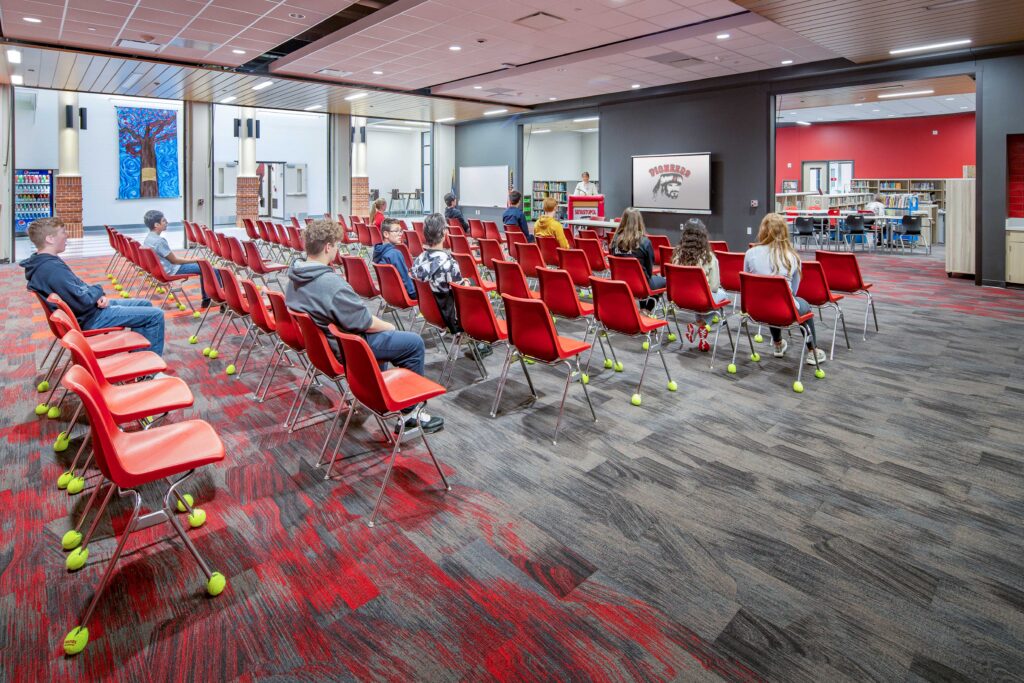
(669, 178)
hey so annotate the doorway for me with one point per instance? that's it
(813, 175)
(272, 189)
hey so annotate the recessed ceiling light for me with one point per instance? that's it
(722, 36)
(859, 104)
(16, 79)
(478, 87)
(890, 95)
(239, 52)
(494, 112)
(965, 107)
(587, 118)
(821, 119)
(378, 73)
(891, 115)
(950, 99)
(92, 28)
(263, 85)
(876, 110)
(802, 123)
(356, 96)
(14, 56)
(786, 62)
(229, 99)
(314, 106)
(552, 99)
(947, 3)
(296, 15)
(587, 130)
(33, 20)
(454, 48)
(934, 46)
(539, 132)
(445, 119)
(635, 86)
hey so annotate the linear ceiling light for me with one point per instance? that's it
(445, 119)
(312, 107)
(494, 112)
(585, 119)
(802, 123)
(229, 99)
(263, 85)
(905, 94)
(14, 57)
(356, 96)
(540, 132)
(934, 46)
(17, 79)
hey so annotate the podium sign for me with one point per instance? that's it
(586, 206)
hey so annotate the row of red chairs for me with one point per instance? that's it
(133, 265)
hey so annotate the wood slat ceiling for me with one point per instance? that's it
(866, 30)
(948, 85)
(85, 72)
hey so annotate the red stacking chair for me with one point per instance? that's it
(616, 311)
(432, 318)
(476, 228)
(660, 242)
(417, 227)
(295, 242)
(628, 270)
(406, 254)
(216, 293)
(548, 251)
(491, 231)
(768, 300)
(393, 291)
(558, 292)
(237, 309)
(688, 290)
(490, 251)
(260, 269)
(468, 268)
(575, 263)
(479, 324)
(460, 245)
(170, 285)
(532, 335)
(386, 394)
(510, 280)
(415, 243)
(130, 461)
(843, 274)
(363, 236)
(358, 275)
(595, 254)
(268, 238)
(730, 265)
(663, 255)
(529, 258)
(376, 236)
(815, 291)
(295, 221)
(454, 223)
(250, 230)
(235, 254)
(587, 234)
(260, 316)
(718, 245)
(323, 363)
(109, 270)
(288, 338)
(513, 236)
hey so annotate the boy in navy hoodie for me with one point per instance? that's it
(514, 213)
(385, 252)
(47, 273)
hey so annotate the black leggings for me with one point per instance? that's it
(803, 307)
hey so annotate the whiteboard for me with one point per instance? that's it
(678, 183)
(483, 186)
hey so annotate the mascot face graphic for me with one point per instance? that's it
(668, 185)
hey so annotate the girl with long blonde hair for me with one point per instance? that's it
(630, 239)
(377, 211)
(774, 255)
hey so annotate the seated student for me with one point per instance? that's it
(693, 250)
(548, 226)
(172, 263)
(316, 289)
(377, 210)
(385, 252)
(774, 255)
(514, 213)
(452, 210)
(877, 207)
(436, 267)
(630, 239)
(47, 273)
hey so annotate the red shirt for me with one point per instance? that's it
(378, 220)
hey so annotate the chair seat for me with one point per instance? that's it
(405, 388)
(487, 285)
(117, 342)
(175, 278)
(502, 329)
(101, 330)
(272, 267)
(125, 366)
(586, 310)
(569, 347)
(167, 450)
(648, 324)
(141, 399)
(657, 292)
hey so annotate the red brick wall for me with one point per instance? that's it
(360, 196)
(247, 199)
(1015, 176)
(67, 203)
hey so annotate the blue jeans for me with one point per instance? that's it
(138, 315)
(193, 269)
(803, 307)
(401, 349)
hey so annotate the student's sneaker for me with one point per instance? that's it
(428, 423)
(205, 303)
(702, 334)
(780, 348)
(483, 349)
(816, 356)
(690, 331)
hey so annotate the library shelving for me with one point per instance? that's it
(33, 197)
(811, 200)
(559, 189)
(927, 190)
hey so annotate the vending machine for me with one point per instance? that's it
(33, 197)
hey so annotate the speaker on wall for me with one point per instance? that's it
(69, 116)
(238, 126)
(82, 118)
(257, 128)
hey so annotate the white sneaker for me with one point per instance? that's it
(160, 375)
(427, 423)
(817, 356)
(780, 349)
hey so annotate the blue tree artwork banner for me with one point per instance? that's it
(147, 153)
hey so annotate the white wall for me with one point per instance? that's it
(558, 156)
(36, 147)
(588, 155)
(393, 160)
(444, 164)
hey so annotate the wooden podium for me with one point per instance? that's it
(586, 206)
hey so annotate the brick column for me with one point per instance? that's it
(67, 203)
(247, 198)
(360, 196)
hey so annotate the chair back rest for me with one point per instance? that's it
(595, 254)
(415, 243)
(213, 288)
(428, 304)
(490, 250)
(456, 229)
(588, 234)
(318, 350)
(54, 330)
(287, 329)
(363, 234)
(529, 257)
(417, 227)
(233, 292)
(718, 245)
(454, 223)
(358, 275)
(910, 225)
(467, 267)
(392, 289)
(558, 291)
(250, 229)
(530, 328)
(768, 299)
(659, 242)
(342, 223)
(548, 250)
(629, 270)
(663, 255)
(855, 223)
(615, 305)
(475, 313)
(151, 264)
(513, 236)
(83, 355)
(261, 317)
(841, 270)
(253, 260)
(261, 229)
(460, 244)
(476, 228)
(376, 236)
(235, 251)
(687, 288)
(62, 306)
(804, 225)
(295, 240)
(813, 284)
(105, 432)
(363, 373)
(510, 279)
(730, 265)
(295, 221)
(491, 231)
(575, 263)
(406, 253)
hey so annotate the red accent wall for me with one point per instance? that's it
(897, 148)
(1015, 176)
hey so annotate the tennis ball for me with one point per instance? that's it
(206, 351)
(585, 378)
(193, 339)
(76, 485)
(755, 356)
(216, 585)
(646, 345)
(181, 307)
(231, 369)
(197, 518)
(41, 409)
(798, 387)
(213, 353)
(76, 560)
(64, 479)
(71, 540)
(672, 336)
(758, 338)
(188, 499)
(607, 364)
(672, 386)
(635, 400)
(76, 640)
(195, 314)
(819, 373)
(731, 369)
(619, 366)
(53, 413)
(43, 386)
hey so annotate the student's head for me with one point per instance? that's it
(514, 197)
(48, 234)
(320, 236)
(693, 248)
(586, 177)
(774, 232)
(392, 231)
(155, 220)
(878, 198)
(550, 204)
(630, 232)
(450, 199)
(379, 205)
(434, 228)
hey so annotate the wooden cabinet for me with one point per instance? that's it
(960, 227)
(1015, 256)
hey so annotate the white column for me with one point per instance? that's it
(359, 147)
(247, 144)
(67, 138)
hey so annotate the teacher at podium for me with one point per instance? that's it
(585, 187)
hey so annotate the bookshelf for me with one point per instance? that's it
(927, 190)
(808, 200)
(533, 205)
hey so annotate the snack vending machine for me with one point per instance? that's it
(33, 197)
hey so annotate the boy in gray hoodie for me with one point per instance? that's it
(316, 289)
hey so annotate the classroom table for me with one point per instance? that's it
(820, 217)
(599, 225)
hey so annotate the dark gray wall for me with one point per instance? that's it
(1000, 113)
(733, 125)
(486, 143)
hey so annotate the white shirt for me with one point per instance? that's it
(585, 189)
(877, 208)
